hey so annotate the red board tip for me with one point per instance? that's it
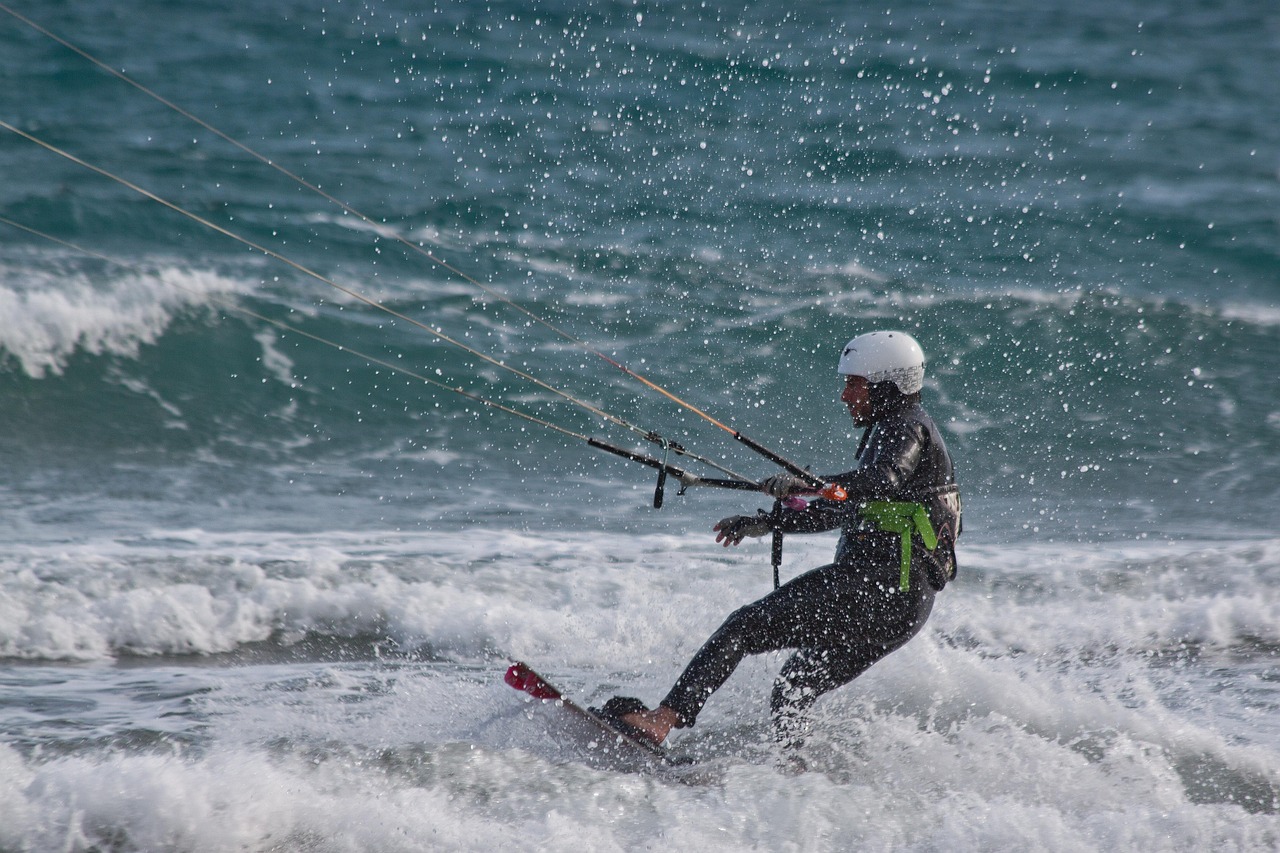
(521, 677)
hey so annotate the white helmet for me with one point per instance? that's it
(885, 357)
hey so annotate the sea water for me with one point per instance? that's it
(257, 592)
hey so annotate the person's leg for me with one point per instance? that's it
(811, 610)
(813, 671)
(764, 625)
(805, 676)
(846, 609)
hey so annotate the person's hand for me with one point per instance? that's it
(735, 528)
(783, 485)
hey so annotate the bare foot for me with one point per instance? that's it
(655, 724)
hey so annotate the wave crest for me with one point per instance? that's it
(46, 317)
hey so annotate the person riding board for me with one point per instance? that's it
(896, 550)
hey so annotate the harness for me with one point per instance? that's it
(903, 518)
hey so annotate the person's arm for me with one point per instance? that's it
(890, 458)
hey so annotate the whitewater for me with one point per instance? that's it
(258, 593)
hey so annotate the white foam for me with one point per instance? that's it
(188, 591)
(889, 782)
(276, 363)
(1263, 314)
(45, 318)
(1032, 711)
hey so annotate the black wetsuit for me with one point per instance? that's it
(843, 617)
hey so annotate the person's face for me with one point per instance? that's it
(857, 398)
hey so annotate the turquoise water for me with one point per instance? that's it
(1074, 210)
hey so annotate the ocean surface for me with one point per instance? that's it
(260, 578)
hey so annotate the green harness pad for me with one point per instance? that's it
(903, 518)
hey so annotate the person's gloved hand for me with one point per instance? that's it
(735, 528)
(784, 485)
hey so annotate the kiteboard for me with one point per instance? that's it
(596, 737)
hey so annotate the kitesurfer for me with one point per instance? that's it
(843, 617)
